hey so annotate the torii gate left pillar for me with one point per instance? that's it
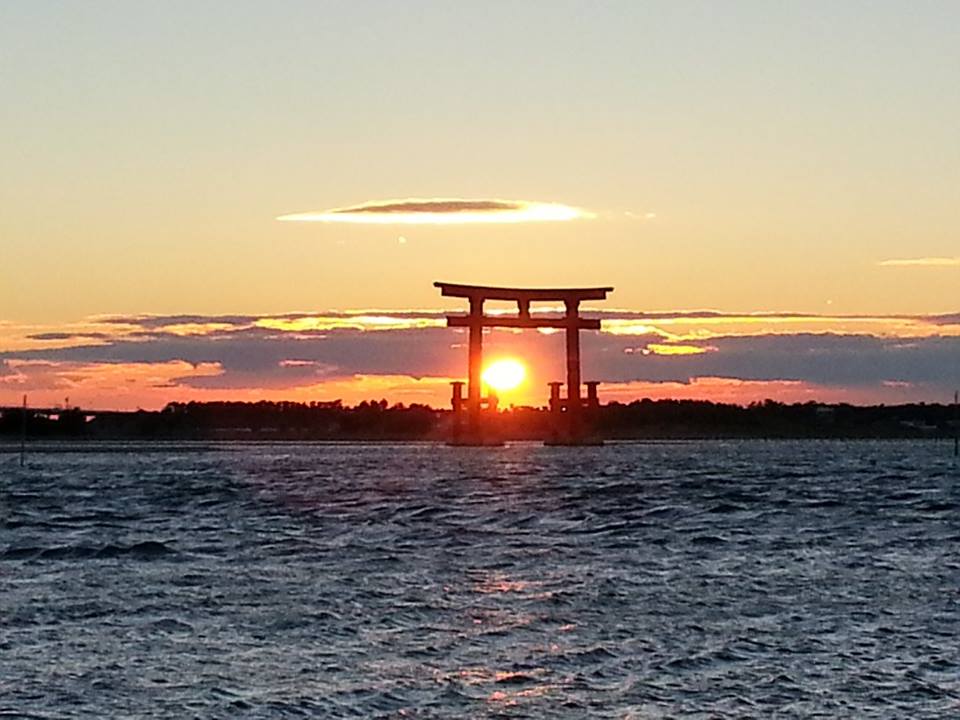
(475, 364)
(569, 432)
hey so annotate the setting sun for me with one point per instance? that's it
(505, 374)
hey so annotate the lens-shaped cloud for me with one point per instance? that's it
(443, 211)
(922, 262)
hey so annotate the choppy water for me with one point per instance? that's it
(713, 579)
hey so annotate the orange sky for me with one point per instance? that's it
(793, 167)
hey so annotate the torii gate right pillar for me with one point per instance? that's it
(572, 333)
(475, 364)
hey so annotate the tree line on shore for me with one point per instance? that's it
(379, 420)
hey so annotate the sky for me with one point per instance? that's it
(773, 190)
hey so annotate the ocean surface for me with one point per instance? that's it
(654, 580)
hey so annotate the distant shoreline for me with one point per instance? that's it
(377, 422)
(90, 446)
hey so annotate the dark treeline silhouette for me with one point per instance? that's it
(377, 420)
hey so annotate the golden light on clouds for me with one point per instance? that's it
(664, 349)
(443, 211)
(187, 329)
(698, 328)
(317, 323)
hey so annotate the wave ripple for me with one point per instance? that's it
(701, 579)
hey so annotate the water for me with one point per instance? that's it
(695, 580)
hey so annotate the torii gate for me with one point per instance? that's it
(571, 323)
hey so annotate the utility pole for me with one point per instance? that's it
(23, 431)
(956, 423)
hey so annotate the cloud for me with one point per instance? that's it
(824, 359)
(256, 356)
(687, 327)
(117, 381)
(922, 262)
(704, 325)
(443, 211)
(321, 355)
(57, 336)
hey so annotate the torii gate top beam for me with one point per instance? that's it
(522, 295)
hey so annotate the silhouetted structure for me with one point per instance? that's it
(569, 426)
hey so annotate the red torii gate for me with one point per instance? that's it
(571, 323)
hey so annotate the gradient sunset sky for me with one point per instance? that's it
(792, 168)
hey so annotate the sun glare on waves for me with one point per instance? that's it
(504, 374)
(443, 211)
